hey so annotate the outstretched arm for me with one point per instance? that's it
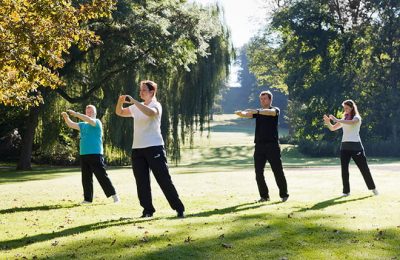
(248, 113)
(243, 114)
(82, 117)
(344, 121)
(69, 122)
(331, 127)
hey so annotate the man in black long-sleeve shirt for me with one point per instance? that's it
(267, 145)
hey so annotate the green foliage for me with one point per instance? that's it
(183, 47)
(323, 52)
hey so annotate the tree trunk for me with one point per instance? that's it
(27, 140)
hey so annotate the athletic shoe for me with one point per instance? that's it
(86, 202)
(180, 214)
(146, 215)
(285, 198)
(263, 199)
(375, 192)
(346, 194)
(116, 198)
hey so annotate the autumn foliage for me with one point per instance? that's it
(34, 35)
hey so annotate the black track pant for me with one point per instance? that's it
(94, 163)
(153, 158)
(270, 152)
(361, 162)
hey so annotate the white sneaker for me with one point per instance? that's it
(375, 192)
(116, 198)
(86, 202)
(345, 194)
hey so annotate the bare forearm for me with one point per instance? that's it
(119, 107)
(85, 118)
(145, 109)
(69, 122)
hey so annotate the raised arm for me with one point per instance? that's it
(82, 117)
(344, 121)
(120, 110)
(148, 111)
(331, 127)
(69, 122)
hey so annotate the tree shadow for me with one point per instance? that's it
(263, 236)
(233, 209)
(37, 208)
(331, 202)
(27, 240)
(8, 175)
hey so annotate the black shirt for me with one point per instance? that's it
(266, 128)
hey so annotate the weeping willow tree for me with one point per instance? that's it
(184, 47)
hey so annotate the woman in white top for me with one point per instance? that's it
(351, 146)
(148, 151)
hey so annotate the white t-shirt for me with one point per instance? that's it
(351, 133)
(146, 130)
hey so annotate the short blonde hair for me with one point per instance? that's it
(93, 107)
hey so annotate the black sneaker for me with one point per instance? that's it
(263, 199)
(146, 215)
(180, 214)
(285, 198)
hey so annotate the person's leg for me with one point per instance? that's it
(158, 165)
(98, 165)
(87, 179)
(274, 159)
(345, 157)
(361, 162)
(260, 159)
(141, 172)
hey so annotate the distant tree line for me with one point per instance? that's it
(246, 95)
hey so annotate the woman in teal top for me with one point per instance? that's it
(91, 152)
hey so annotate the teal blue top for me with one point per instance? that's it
(91, 138)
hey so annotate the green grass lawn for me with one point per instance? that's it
(41, 217)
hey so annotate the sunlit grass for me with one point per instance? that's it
(41, 216)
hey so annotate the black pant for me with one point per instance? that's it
(94, 163)
(361, 162)
(270, 152)
(153, 158)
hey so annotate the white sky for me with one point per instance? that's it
(244, 17)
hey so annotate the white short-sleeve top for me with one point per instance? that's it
(351, 133)
(146, 130)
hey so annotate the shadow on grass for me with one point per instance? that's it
(254, 236)
(332, 202)
(233, 209)
(21, 242)
(38, 208)
(10, 175)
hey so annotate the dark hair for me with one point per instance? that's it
(151, 85)
(268, 93)
(352, 105)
